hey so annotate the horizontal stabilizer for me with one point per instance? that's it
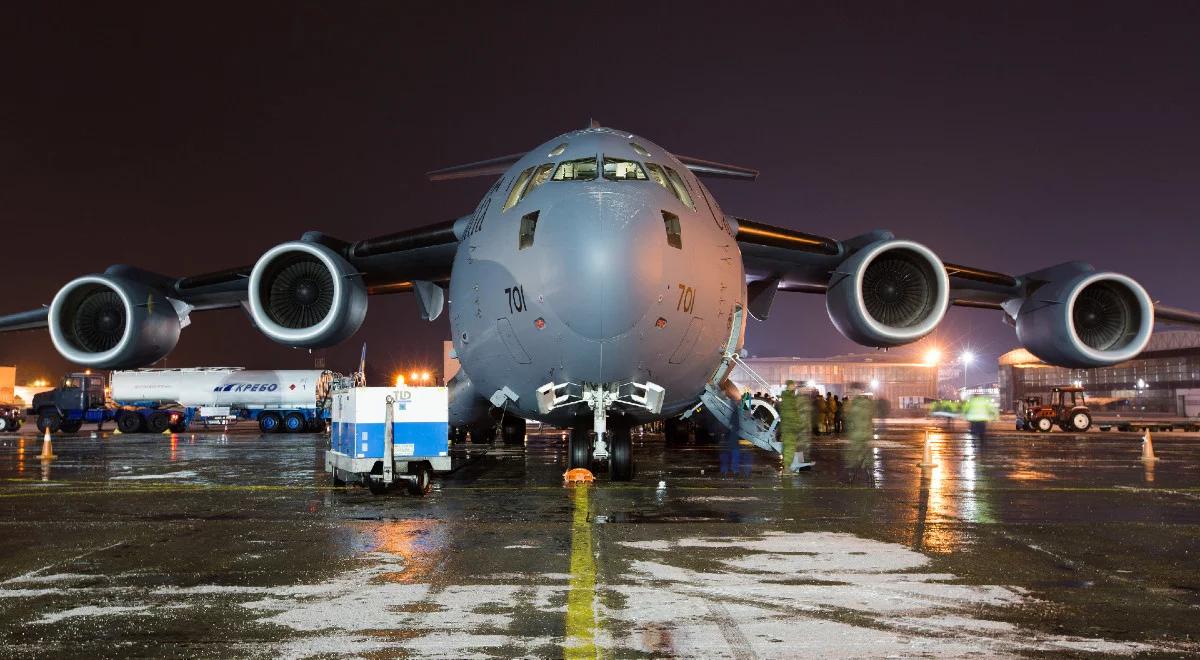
(701, 167)
(489, 167)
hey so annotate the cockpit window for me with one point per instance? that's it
(617, 169)
(526, 182)
(557, 151)
(514, 195)
(641, 151)
(583, 169)
(540, 175)
(670, 179)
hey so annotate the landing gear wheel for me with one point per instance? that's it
(704, 436)
(1044, 424)
(459, 435)
(1081, 421)
(513, 430)
(71, 425)
(620, 454)
(158, 422)
(129, 422)
(52, 421)
(579, 449)
(293, 422)
(424, 480)
(269, 422)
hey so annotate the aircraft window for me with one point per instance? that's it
(514, 195)
(528, 227)
(540, 175)
(641, 151)
(557, 151)
(681, 190)
(657, 175)
(583, 169)
(617, 169)
(674, 236)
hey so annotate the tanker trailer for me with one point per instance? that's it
(280, 400)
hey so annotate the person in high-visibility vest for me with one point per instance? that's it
(978, 411)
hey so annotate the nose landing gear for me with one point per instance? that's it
(580, 451)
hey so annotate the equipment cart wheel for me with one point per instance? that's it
(52, 421)
(158, 422)
(620, 454)
(579, 449)
(293, 422)
(129, 422)
(376, 486)
(71, 425)
(269, 422)
(423, 482)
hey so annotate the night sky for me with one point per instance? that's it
(186, 138)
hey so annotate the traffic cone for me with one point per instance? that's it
(1148, 448)
(47, 448)
(927, 454)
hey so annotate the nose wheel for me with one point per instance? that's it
(579, 449)
(620, 453)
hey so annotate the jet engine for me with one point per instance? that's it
(1089, 320)
(306, 295)
(890, 292)
(112, 322)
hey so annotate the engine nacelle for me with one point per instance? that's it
(306, 295)
(889, 293)
(1089, 320)
(111, 322)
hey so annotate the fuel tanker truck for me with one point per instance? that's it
(284, 400)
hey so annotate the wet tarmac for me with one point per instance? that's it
(204, 545)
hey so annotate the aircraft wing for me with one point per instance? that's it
(310, 292)
(884, 291)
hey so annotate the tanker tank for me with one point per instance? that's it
(278, 399)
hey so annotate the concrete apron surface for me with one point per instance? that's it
(239, 545)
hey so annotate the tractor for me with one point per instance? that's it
(1067, 409)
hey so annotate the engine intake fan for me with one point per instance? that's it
(306, 295)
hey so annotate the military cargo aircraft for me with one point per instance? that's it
(598, 286)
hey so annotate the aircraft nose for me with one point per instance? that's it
(602, 262)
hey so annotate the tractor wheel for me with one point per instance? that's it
(1044, 424)
(6, 424)
(579, 449)
(1081, 422)
(50, 420)
(129, 422)
(293, 422)
(158, 422)
(269, 422)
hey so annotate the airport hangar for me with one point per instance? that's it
(1164, 378)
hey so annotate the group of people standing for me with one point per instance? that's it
(828, 413)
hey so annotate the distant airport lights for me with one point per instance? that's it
(933, 356)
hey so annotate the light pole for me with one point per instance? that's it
(966, 358)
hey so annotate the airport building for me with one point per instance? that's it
(1165, 378)
(897, 380)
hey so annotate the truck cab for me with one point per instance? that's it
(79, 398)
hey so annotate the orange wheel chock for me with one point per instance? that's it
(578, 476)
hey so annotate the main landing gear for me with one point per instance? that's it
(620, 451)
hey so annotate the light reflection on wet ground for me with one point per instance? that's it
(204, 544)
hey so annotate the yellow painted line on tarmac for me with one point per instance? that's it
(581, 599)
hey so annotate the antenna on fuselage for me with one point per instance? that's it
(592, 123)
